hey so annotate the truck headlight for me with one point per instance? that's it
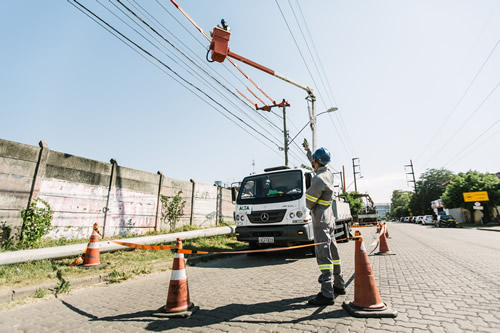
(237, 217)
(292, 215)
(299, 213)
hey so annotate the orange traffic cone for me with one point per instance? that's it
(387, 231)
(178, 302)
(367, 302)
(384, 249)
(91, 254)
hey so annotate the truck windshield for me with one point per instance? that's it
(269, 188)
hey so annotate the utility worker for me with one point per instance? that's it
(319, 199)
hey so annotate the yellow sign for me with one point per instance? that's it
(476, 196)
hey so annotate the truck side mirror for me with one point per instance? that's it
(233, 194)
(308, 180)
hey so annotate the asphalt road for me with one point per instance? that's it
(440, 280)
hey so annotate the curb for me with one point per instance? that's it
(9, 295)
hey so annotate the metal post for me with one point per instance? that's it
(354, 174)
(343, 182)
(111, 184)
(192, 202)
(285, 133)
(413, 175)
(313, 122)
(158, 201)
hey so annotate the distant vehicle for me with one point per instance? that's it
(406, 219)
(447, 221)
(368, 214)
(419, 219)
(401, 219)
(412, 219)
(427, 219)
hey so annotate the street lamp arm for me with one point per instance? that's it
(319, 114)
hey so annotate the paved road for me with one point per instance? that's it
(440, 280)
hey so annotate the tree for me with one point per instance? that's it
(400, 202)
(429, 188)
(473, 181)
(355, 204)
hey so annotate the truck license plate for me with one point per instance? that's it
(266, 240)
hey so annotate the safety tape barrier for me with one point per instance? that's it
(349, 238)
(187, 251)
(365, 226)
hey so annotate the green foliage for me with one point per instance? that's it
(116, 276)
(400, 203)
(64, 286)
(172, 209)
(5, 236)
(36, 222)
(40, 292)
(355, 204)
(473, 181)
(430, 187)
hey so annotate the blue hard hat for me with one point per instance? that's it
(322, 155)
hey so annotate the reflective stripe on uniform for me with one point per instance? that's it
(311, 198)
(325, 267)
(325, 203)
(336, 262)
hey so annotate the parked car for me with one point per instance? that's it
(446, 221)
(427, 219)
(412, 219)
(406, 219)
(419, 219)
(401, 219)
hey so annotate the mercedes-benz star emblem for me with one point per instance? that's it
(264, 217)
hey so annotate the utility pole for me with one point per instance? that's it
(411, 173)
(343, 180)
(354, 165)
(285, 132)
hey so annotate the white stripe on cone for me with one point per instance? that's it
(179, 275)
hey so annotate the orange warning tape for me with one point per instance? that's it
(186, 251)
(365, 226)
(146, 247)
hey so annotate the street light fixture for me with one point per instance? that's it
(309, 122)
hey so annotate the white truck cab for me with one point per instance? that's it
(271, 208)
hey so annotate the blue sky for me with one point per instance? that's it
(412, 80)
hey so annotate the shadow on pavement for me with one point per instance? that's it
(223, 314)
(256, 260)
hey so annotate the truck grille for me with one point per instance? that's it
(267, 216)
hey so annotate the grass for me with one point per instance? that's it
(122, 264)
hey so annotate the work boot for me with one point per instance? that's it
(338, 291)
(320, 300)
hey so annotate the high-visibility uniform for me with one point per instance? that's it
(319, 199)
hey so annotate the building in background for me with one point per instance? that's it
(382, 209)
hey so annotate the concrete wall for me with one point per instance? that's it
(83, 191)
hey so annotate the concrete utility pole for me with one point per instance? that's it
(354, 165)
(411, 173)
(285, 132)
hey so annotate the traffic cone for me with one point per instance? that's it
(384, 249)
(367, 302)
(386, 231)
(91, 254)
(178, 302)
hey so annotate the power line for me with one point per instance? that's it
(175, 73)
(463, 124)
(460, 99)
(462, 152)
(198, 66)
(329, 91)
